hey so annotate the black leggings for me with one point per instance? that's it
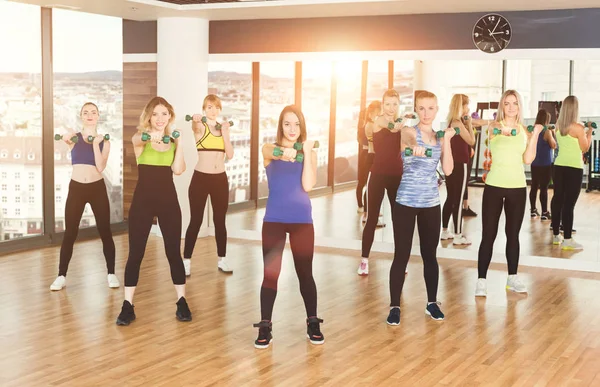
(202, 185)
(365, 160)
(302, 242)
(154, 195)
(540, 179)
(469, 169)
(567, 185)
(80, 194)
(455, 186)
(428, 224)
(494, 199)
(376, 189)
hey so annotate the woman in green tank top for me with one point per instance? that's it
(505, 188)
(572, 141)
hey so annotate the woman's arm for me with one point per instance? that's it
(178, 166)
(585, 139)
(198, 125)
(549, 138)
(100, 156)
(447, 159)
(225, 133)
(309, 169)
(466, 131)
(289, 154)
(531, 150)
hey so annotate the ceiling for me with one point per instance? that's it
(283, 9)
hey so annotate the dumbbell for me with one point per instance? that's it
(218, 125)
(411, 116)
(299, 146)
(392, 124)
(475, 115)
(513, 132)
(440, 133)
(487, 165)
(91, 138)
(530, 128)
(487, 154)
(591, 125)
(278, 152)
(58, 137)
(495, 115)
(409, 152)
(189, 118)
(165, 139)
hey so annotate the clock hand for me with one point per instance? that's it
(496, 25)
(496, 33)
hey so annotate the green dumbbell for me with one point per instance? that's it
(58, 137)
(218, 125)
(592, 125)
(91, 138)
(189, 118)
(530, 128)
(409, 152)
(146, 136)
(278, 152)
(513, 132)
(167, 139)
(411, 116)
(440, 133)
(299, 146)
(392, 124)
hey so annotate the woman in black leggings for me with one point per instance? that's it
(87, 186)
(541, 167)
(155, 195)
(213, 145)
(367, 156)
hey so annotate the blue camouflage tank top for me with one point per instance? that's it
(419, 185)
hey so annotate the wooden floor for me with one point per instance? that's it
(335, 217)
(550, 337)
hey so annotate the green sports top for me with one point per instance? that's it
(151, 156)
(569, 152)
(507, 170)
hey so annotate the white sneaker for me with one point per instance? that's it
(570, 244)
(481, 288)
(557, 239)
(187, 265)
(380, 221)
(461, 240)
(59, 283)
(446, 235)
(113, 281)
(360, 210)
(514, 283)
(223, 266)
(363, 268)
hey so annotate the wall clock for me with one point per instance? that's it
(492, 33)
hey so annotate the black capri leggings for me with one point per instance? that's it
(365, 160)
(540, 179)
(302, 242)
(80, 194)
(456, 184)
(202, 185)
(513, 201)
(567, 186)
(376, 189)
(154, 195)
(428, 224)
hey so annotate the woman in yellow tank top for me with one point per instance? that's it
(506, 188)
(568, 171)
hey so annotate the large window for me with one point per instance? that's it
(538, 80)
(349, 75)
(88, 66)
(20, 121)
(404, 74)
(316, 100)
(377, 79)
(276, 92)
(586, 86)
(232, 82)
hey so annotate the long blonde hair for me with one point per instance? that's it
(144, 124)
(500, 113)
(569, 114)
(456, 104)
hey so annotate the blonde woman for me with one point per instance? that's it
(506, 188)
(572, 140)
(158, 157)
(456, 182)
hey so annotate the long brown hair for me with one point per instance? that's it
(296, 110)
(542, 118)
(144, 124)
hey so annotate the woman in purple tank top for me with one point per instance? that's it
(291, 167)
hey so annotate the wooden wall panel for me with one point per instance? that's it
(139, 86)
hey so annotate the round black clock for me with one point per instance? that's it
(492, 33)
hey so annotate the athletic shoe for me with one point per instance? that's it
(570, 244)
(364, 217)
(223, 266)
(265, 338)
(313, 330)
(481, 288)
(557, 239)
(183, 311)
(127, 314)
(394, 316)
(363, 268)
(380, 221)
(113, 281)
(514, 283)
(461, 240)
(446, 235)
(187, 265)
(59, 283)
(433, 310)
(469, 212)
(546, 216)
(534, 213)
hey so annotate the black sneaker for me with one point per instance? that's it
(469, 212)
(313, 330)
(265, 338)
(183, 311)
(394, 316)
(127, 314)
(546, 216)
(434, 311)
(534, 213)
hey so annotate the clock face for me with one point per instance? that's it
(492, 33)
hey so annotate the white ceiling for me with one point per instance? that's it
(279, 9)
